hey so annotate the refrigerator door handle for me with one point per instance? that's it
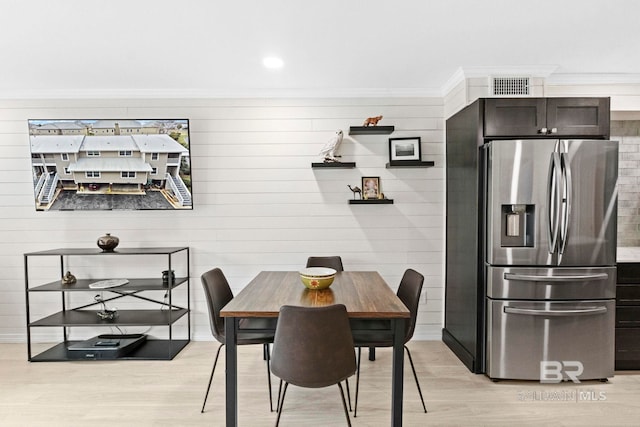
(567, 186)
(554, 198)
(538, 278)
(589, 311)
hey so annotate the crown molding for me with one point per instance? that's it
(220, 94)
(460, 75)
(456, 78)
(510, 70)
(593, 79)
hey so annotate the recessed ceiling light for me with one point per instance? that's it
(273, 62)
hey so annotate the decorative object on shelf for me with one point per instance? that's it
(355, 190)
(68, 278)
(331, 147)
(165, 277)
(317, 277)
(108, 242)
(372, 121)
(105, 313)
(370, 187)
(404, 150)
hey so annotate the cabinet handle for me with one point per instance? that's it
(554, 130)
(544, 131)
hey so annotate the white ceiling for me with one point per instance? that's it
(156, 48)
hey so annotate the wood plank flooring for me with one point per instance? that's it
(170, 393)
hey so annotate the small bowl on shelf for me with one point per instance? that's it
(317, 277)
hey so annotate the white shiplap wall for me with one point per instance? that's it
(258, 203)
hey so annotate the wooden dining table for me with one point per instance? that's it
(365, 294)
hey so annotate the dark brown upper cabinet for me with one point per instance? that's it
(562, 117)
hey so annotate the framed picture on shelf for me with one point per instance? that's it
(370, 187)
(404, 149)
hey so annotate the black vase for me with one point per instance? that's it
(165, 278)
(108, 242)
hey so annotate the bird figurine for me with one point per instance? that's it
(330, 148)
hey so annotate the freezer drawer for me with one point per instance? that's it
(568, 283)
(522, 334)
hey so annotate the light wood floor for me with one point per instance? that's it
(159, 393)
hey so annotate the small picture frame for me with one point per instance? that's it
(405, 149)
(370, 187)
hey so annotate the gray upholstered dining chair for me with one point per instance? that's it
(334, 262)
(370, 333)
(218, 294)
(313, 348)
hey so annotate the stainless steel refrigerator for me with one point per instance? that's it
(550, 256)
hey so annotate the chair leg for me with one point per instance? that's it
(355, 406)
(268, 357)
(211, 377)
(281, 401)
(416, 378)
(344, 405)
(348, 394)
(279, 393)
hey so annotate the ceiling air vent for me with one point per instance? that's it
(510, 86)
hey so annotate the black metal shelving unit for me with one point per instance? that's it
(165, 315)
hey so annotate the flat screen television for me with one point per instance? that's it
(106, 164)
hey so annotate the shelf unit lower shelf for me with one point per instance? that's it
(149, 350)
(125, 318)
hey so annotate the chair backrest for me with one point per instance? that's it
(409, 293)
(218, 293)
(313, 346)
(334, 262)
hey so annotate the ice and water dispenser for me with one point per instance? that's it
(517, 226)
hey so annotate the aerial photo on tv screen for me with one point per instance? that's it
(110, 164)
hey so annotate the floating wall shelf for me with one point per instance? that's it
(411, 164)
(371, 130)
(371, 202)
(334, 165)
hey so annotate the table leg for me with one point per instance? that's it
(397, 376)
(372, 353)
(231, 373)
